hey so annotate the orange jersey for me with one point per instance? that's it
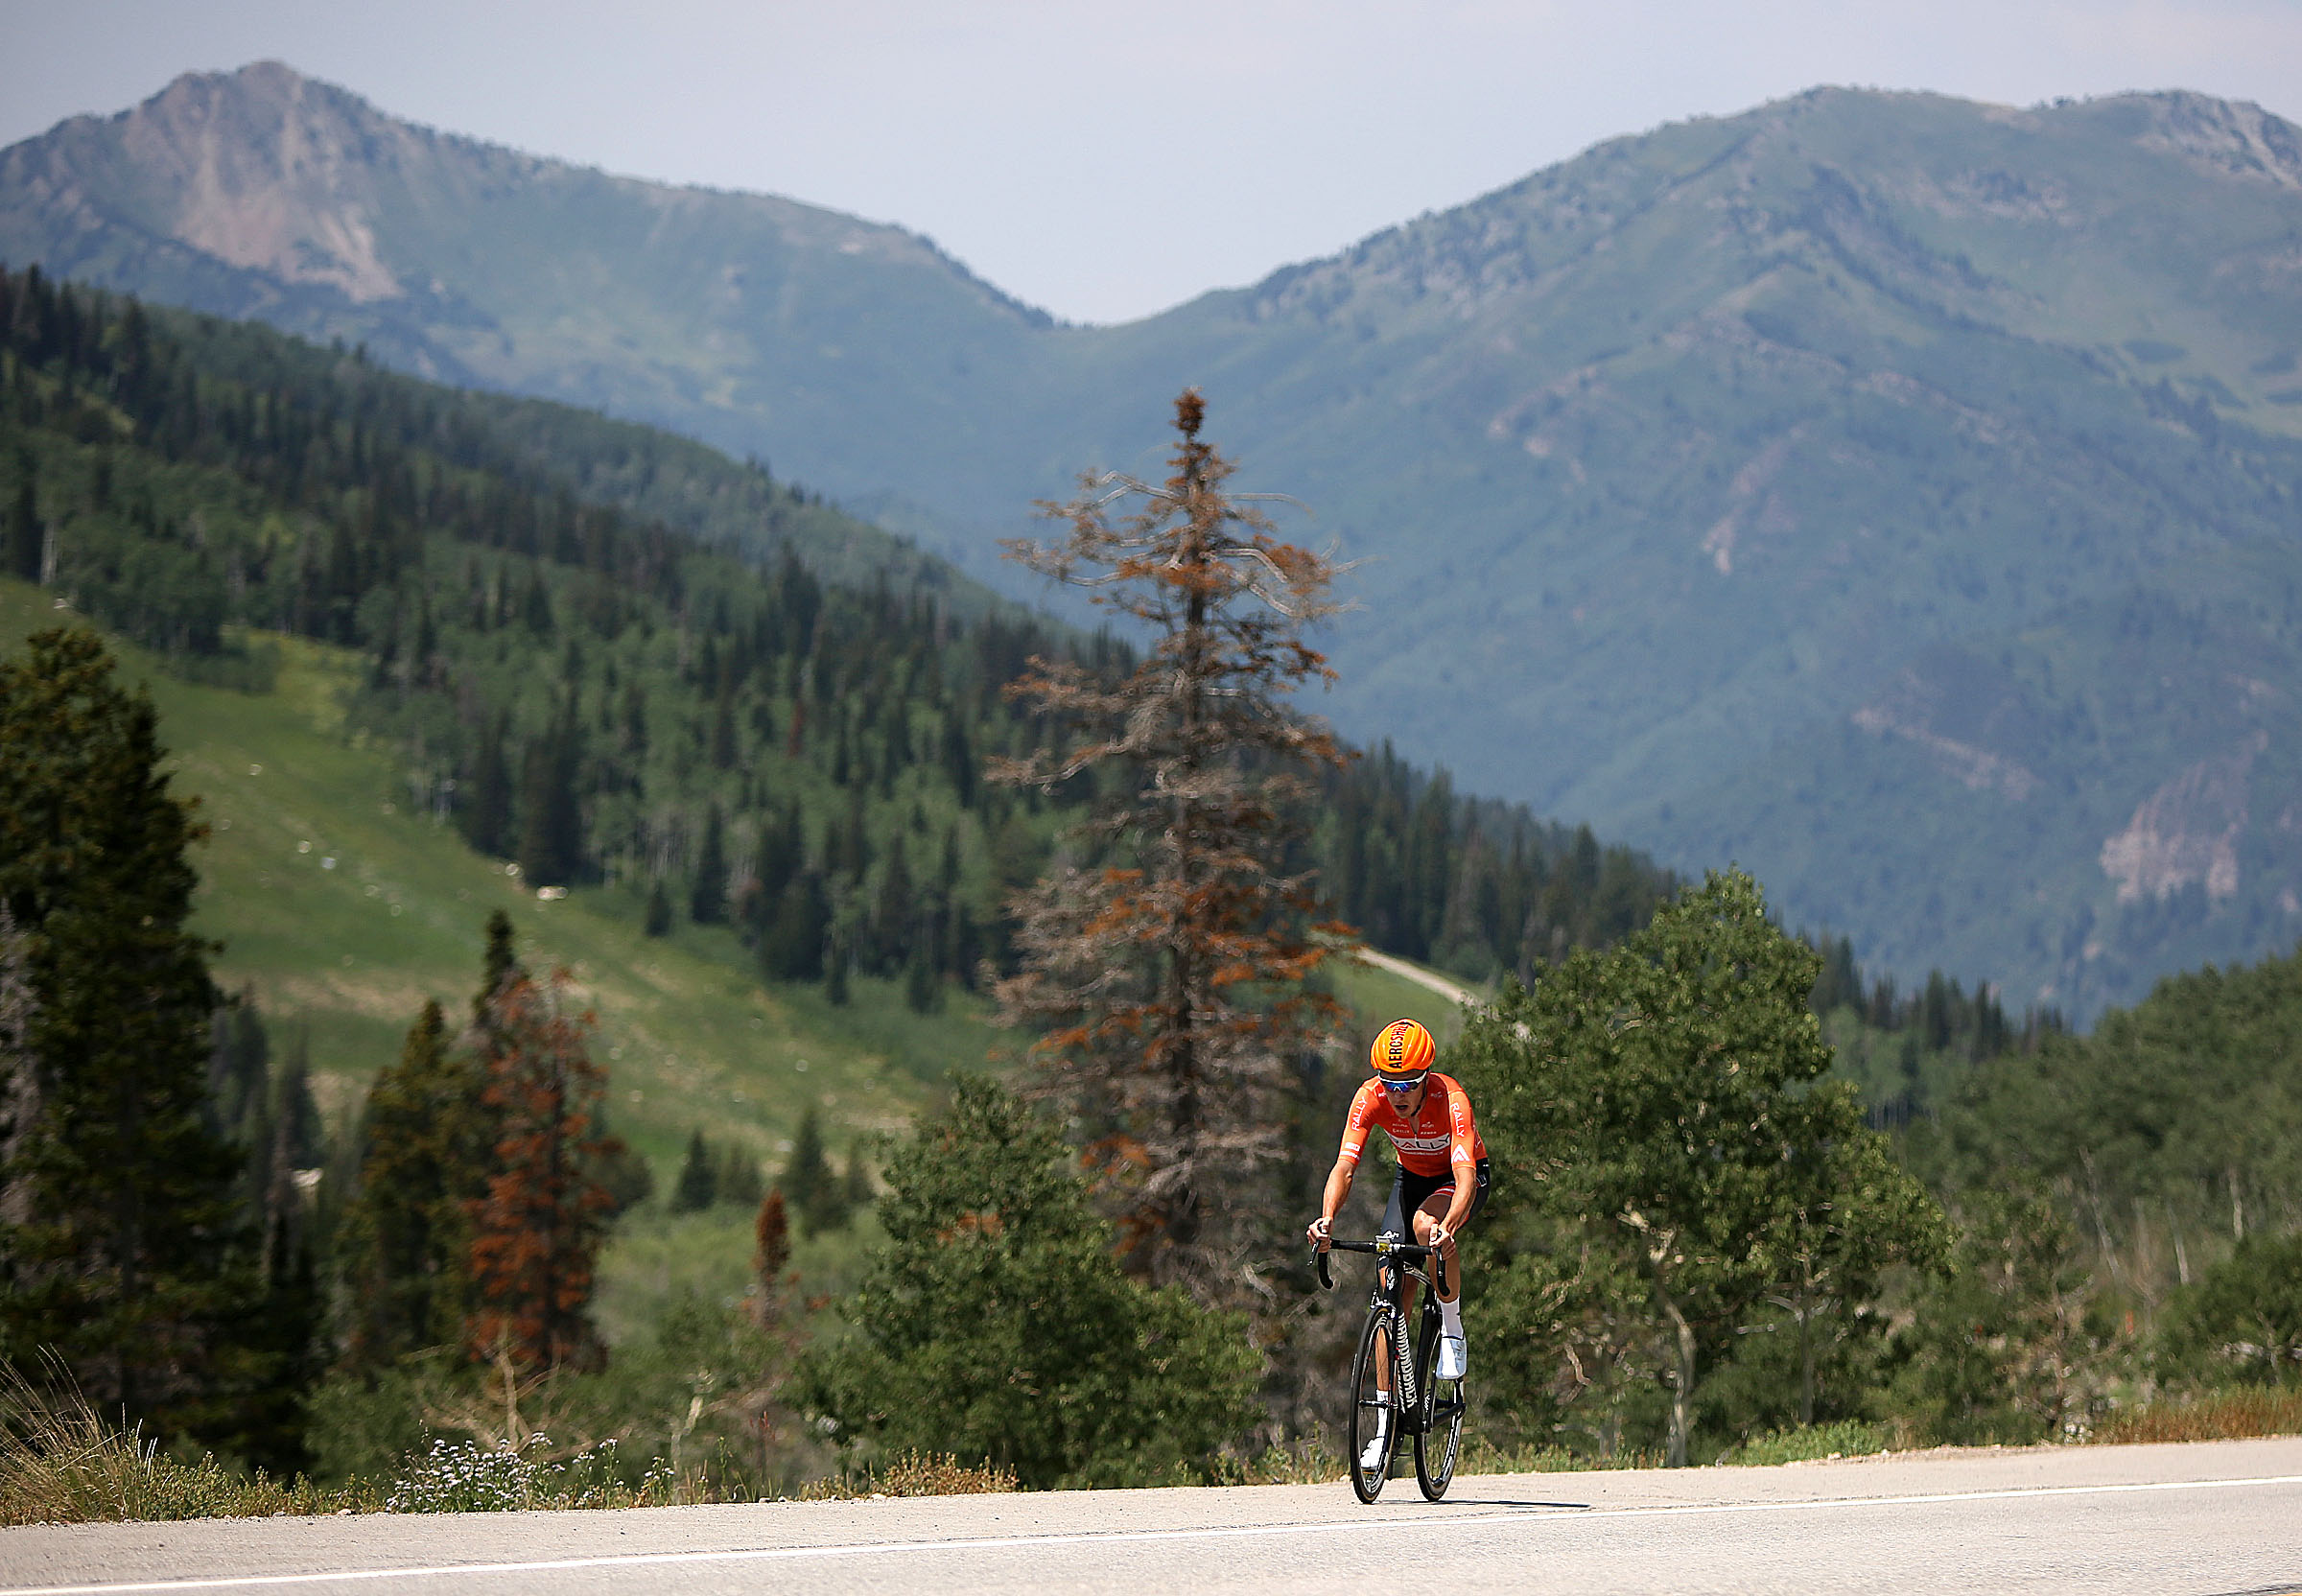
(1441, 1135)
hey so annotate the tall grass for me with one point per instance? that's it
(2219, 1415)
(62, 1463)
(915, 1474)
(1848, 1438)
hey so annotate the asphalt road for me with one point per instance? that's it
(2219, 1517)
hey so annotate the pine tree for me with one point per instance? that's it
(297, 1132)
(535, 609)
(817, 1201)
(723, 725)
(487, 818)
(406, 1240)
(793, 945)
(698, 1184)
(923, 988)
(499, 963)
(707, 903)
(836, 961)
(740, 1181)
(1166, 969)
(21, 549)
(892, 912)
(780, 853)
(551, 822)
(238, 1064)
(296, 1145)
(19, 1072)
(124, 1255)
(958, 759)
(536, 1235)
(634, 718)
(627, 1175)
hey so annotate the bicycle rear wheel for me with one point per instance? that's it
(1438, 1436)
(1370, 1408)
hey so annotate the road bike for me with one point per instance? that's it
(1415, 1402)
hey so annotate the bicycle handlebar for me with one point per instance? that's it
(1382, 1246)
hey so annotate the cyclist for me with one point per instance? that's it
(1442, 1180)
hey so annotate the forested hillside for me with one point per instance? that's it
(708, 717)
(2175, 1128)
(1882, 489)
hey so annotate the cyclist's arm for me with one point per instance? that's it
(1338, 1188)
(1467, 1191)
(1347, 1160)
(1462, 1157)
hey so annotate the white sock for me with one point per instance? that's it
(1450, 1319)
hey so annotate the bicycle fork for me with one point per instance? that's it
(1402, 1362)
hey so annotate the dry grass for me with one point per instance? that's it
(61, 1463)
(2221, 1416)
(1315, 1459)
(1481, 1456)
(914, 1475)
(1848, 1438)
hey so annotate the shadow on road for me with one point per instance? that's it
(1504, 1502)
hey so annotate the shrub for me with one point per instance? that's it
(2242, 1321)
(996, 1322)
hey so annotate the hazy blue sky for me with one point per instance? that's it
(1104, 160)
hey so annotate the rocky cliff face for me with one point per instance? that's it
(275, 173)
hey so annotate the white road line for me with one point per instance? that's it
(886, 1548)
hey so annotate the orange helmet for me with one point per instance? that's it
(1403, 1050)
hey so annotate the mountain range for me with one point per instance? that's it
(1896, 494)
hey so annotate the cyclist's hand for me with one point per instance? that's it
(1318, 1231)
(1439, 1234)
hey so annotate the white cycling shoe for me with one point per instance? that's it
(1376, 1452)
(1454, 1358)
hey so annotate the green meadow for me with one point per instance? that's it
(342, 908)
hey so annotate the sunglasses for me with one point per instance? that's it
(1399, 1088)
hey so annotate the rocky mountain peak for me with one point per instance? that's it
(276, 173)
(2231, 138)
(261, 169)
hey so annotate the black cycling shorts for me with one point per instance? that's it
(1409, 1191)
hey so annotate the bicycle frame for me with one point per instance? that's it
(1390, 1290)
(1394, 1269)
(1411, 1404)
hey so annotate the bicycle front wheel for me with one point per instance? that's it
(1370, 1414)
(1438, 1436)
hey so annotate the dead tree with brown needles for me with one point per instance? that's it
(1166, 956)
